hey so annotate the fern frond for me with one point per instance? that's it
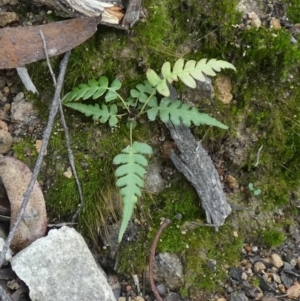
(187, 73)
(176, 111)
(104, 113)
(143, 91)
(94, 89)
(130, 174)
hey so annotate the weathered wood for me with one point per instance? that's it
(198, 168)
(112, 11)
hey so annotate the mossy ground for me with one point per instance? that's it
(266, 94)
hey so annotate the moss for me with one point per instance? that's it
(293, 10)
(272, 238)
(25, 151)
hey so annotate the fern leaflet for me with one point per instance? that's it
(143, 91)
(187, 73)
(130, 174)
(95, 89)
(175, 111)
(104, 113)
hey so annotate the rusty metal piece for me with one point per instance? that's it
(23, 45)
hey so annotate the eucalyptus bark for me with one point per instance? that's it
(198, 168)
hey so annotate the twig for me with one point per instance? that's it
(165, 224)
(67, 137)
(258, 155)
(39, 161)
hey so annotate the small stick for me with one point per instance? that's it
(165, 224)
(67, 137)
(258, 155)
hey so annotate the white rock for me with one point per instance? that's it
(60, 267)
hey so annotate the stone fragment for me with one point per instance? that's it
(255, 20)
(6, 141)
(276, 260)
(168, 268)
(231, 181)
(223, 88)
(153, 179)
(3, 126)
(286, 279)
(7, 18)
(172, 297)
(275, 23)
(276, 278)
(60, 267)
(259, 266)
(22, 111)
(238, 296)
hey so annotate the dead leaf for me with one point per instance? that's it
(293, 292)
(23, 45)
(15, 176)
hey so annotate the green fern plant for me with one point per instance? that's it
(144, 99)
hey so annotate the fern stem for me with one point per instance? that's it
(121, 98)
(145, 104)
(130, 129)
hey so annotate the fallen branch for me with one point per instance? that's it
(165, 224)
(37, 167)
(67, 137)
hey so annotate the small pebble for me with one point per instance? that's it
(276, 278)
(276, 260)
(259, 266)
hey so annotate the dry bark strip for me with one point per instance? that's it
(198, 168)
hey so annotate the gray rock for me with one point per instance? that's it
(238, 296)
(203, 94)
(172, 297)
(153, 179)
(168, 268)
(60, 267)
